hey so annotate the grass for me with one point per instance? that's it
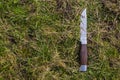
(39, 39)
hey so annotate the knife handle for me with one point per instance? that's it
(83, 54)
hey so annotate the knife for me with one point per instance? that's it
(83, 40)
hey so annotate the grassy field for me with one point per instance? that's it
(39, 40)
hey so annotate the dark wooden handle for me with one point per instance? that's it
(83, 54)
